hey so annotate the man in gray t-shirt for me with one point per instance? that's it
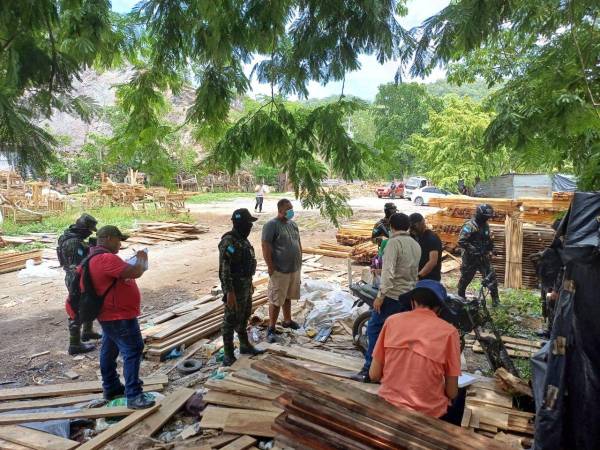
(282, 251)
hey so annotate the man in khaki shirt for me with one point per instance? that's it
(399, 275)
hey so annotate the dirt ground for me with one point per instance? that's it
(32, 316)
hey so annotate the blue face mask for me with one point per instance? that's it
(289, 214)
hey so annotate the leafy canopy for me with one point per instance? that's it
(44, 45)
(546, 53)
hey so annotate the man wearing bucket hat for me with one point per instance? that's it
(237, 265)
(417, 355)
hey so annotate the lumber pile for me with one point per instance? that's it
(545, 211)
(151, 233)
(30, 238)
(360, 253)
(489, 411)
(186, 324)
(516, 347)
(355, 232)
(535, 238)
(322, 413)
(461, 206)
(13, 261)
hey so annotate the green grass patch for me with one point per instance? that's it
(517, 309)
(211, 197)
(120, 216)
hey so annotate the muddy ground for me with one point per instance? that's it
(32, 316)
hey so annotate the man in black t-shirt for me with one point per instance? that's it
(430, 265)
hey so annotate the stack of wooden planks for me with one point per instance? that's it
(151, 233)
(489, 411)
(516, 347)
(187, 324)
(545, 211)
(361, 253)
(322, 413)
(355, 232)
(12, 261)
(365, 252)
(513, 276)
(535, 238)
(330, 249)
(461, 206)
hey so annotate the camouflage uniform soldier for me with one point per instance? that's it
(381, 230)
(477, 245)
(71, 251)
(237, 265)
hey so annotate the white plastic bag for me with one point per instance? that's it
(337, 305)
(42, 270)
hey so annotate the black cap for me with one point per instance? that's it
(243, 215)
(390, 205)
(86, 221)
(415, 218)
(111, 231)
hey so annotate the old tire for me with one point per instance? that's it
(419, 201)
(359, 331)
(189, 366)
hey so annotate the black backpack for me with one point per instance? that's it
(86, 304)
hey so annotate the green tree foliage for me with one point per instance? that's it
(546, 53)
(44, 45)
(452, 145)
(477, 90)
(400, 110)
(296, 41)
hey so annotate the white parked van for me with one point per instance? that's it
(413, 183)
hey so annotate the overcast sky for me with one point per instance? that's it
(361, 83)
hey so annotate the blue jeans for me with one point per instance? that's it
(390, 307)
(124, 337)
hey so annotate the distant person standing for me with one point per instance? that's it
(381, 230)
(260, 190)
(237, 265)
(282, 251)
(430, 265)
(393, 190)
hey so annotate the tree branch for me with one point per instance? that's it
(581, 60)
(9, 42)
(54, 54)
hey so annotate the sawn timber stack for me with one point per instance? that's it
(320, 413)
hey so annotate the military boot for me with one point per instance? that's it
(228, 349)
(77, 347)
(88, 332)
(246, 348)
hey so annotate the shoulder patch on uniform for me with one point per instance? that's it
(230, 249)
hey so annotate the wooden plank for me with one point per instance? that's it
(215, 417)
(187, 319)
(6, 445)
(237, 401)
(169, 406)
(63, 400)
(117, 429)
(51, 390)
(254, 425)
(466, 419)
(35, 439)
(242, 443)
(88, 413)
(319, 356)
(232, 387)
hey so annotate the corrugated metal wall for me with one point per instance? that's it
(516, 186)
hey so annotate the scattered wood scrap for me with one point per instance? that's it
(512, 384)
(489, 409)
(322, 414)
(516, 347)
(150, 233)
(13, 261)
(88, 413)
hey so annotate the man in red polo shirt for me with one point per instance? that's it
(417, 356)
(118, 317)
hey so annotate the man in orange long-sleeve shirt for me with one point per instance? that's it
(417, 355)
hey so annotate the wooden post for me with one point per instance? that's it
(513, 231)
